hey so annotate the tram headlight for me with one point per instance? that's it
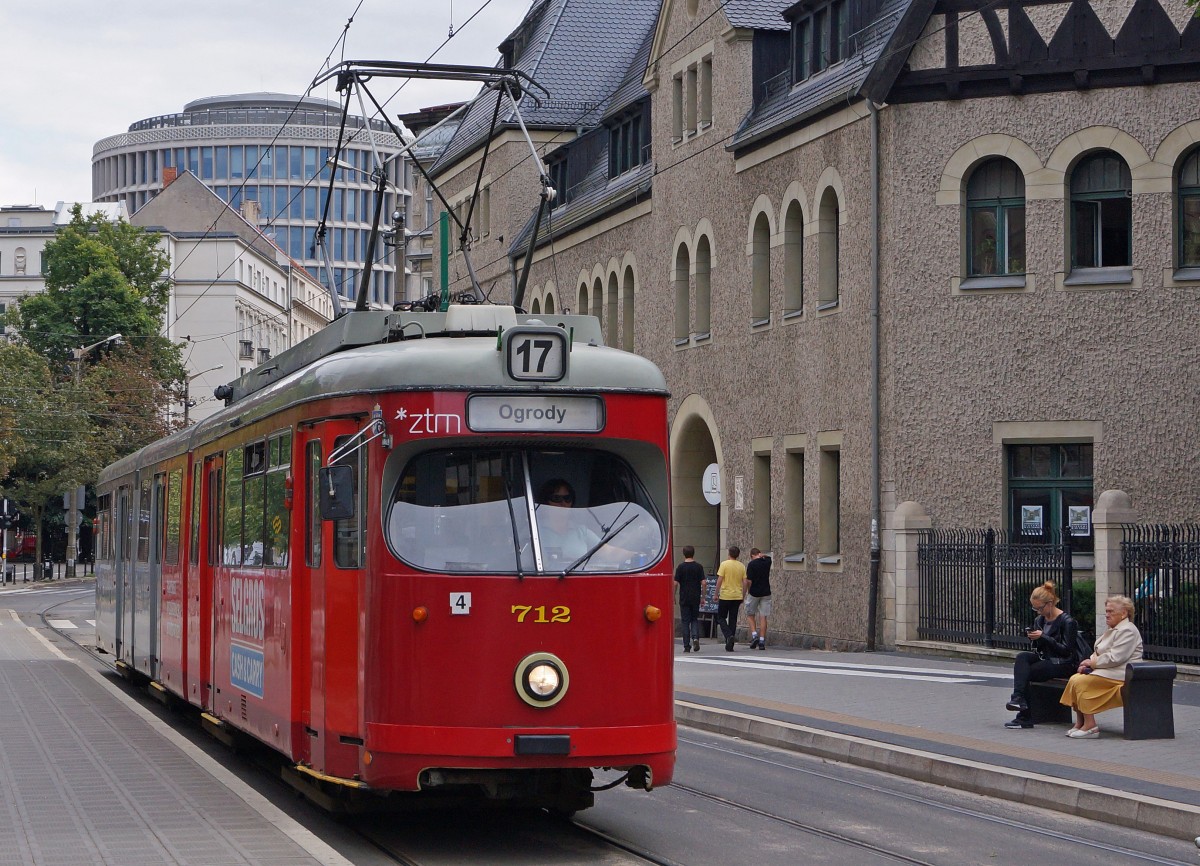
(541, 680)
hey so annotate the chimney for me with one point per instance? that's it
(169, 175)
(250, 211)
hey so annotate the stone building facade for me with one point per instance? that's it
(885, 251)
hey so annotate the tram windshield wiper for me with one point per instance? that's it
(599, 544)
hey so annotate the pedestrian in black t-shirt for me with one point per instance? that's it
(689, 574)
(758, 598)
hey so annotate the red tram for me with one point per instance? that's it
(417, 552)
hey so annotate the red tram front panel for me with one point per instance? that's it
(443, 649)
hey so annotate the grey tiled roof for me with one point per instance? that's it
(632, 89)
(580, 51)
(790, 103)
(757, 14)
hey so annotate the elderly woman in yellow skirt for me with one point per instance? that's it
(1097, 686)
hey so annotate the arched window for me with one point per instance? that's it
(793, 259)
(535, 308)
(549, 303)
(683, 309)
(760, 267)
(996, 219)
(611, 332)
(627, 311)
(582, 307)
(829, 234)
(1101, 213)
(598, 300)
(703, 287)
(1189, 211)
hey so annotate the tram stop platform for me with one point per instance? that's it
(88, 775)
(940, 719)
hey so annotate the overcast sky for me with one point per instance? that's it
(77, 71)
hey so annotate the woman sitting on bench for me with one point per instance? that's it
(1097, 686)
(1054, 654)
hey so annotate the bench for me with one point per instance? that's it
(1146, 699)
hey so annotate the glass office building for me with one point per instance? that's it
(272, 150)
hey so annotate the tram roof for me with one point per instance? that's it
(362, 353)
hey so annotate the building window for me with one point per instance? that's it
(264, 355)
(626, 145)
(793, 492)
(582, 306)
(820, 39)
(829, 528)
(1101, 213)
(245, 350)
(691, 99)
(1049, 489)
(829, 233)
(703, 288)
(3, 326)
(762, 501)
(996, 219)
(793, 260)
(682, 302)
(1189, 211)
(626, 310)
(612, 333)
(760, 271)
(558, 180)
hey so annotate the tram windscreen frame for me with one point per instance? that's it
(467, 510)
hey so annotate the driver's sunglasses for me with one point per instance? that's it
(562, 497)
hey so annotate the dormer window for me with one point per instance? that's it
(820, 37)
(628, 144)
(558, 179)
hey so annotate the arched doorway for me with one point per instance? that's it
(695, 445)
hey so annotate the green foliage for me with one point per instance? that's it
(1083, 598)
(102, 278)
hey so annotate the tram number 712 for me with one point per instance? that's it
(536, 354)
(558, 613)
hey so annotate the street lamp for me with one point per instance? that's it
(77, 355)
(187, 390)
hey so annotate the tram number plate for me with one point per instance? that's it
(535, 354)
(460, 602)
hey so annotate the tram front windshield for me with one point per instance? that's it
(523, 511)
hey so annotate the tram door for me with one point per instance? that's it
(200, 583)
(122, 570)
(333, 563)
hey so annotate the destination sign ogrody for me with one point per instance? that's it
(488, 413)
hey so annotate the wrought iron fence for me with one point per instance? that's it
(1162, 575)
(974, 584)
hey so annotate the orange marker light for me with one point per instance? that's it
(420, 613)
(652, 613)
(368, 758)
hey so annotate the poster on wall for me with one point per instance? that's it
(739, 493)
(1031, 520)
(1080, 519)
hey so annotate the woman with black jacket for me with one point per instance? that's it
(1055, 653)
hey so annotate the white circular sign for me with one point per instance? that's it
(710, 484)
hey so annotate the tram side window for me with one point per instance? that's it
(174, 506)
(254, 479)
(194, 545)
(312, 513)
(278, 518)
(104, 527)
(143, 518)
(231, 539)
(347, 533)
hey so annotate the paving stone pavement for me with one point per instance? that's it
(89, 776)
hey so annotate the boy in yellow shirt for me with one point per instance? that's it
(731, 577)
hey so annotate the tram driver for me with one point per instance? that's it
(565, 535)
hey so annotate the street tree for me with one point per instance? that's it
(102, 278)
